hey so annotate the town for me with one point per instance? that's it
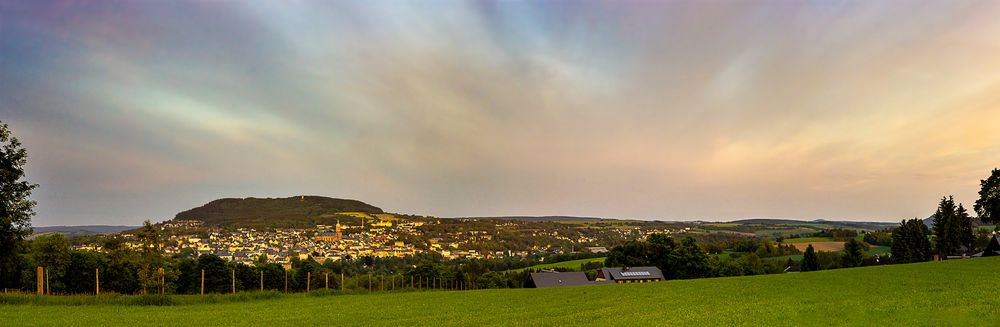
(385, 235)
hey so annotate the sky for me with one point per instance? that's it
(667, 110)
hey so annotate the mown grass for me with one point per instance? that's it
(956, 292)
(139, 300)
(572, 264)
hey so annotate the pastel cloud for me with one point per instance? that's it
(679, 110)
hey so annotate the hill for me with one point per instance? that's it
(298, 211)
(85, 230)
(953, 293)
(545, 218)
(820, 223)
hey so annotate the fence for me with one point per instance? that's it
(361, 283)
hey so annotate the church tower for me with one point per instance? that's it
(339, 238)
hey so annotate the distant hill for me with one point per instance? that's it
(298, 211)
(541, 218)
(73, 231)
(864, 225)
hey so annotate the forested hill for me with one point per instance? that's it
(275, 212)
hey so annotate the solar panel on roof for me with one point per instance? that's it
(635, 273)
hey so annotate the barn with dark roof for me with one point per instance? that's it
(548, 279)
(630, 275)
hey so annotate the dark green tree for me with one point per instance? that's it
(122, 271)
(809, 261)
(188, 276)
(688, 260)
(946, 227)
(51, 252)
(16, 208)
(79, 276)
(853, 253)
(910, 243)
(988, 205)
(752, 265)
(218, 276)
(966, 230)
(952, 228)
(151, 257)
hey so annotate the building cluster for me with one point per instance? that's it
(282, 245)
(381, 236)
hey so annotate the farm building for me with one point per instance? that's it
(993, 248)
(597, 249)
(547, 279)
(630, 275)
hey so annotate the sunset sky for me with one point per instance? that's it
(670, 110)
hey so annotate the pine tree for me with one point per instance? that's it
(946, 227)
(966, 237)
(809, 260)
(853, 253)
(909, 242)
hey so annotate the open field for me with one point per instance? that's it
(821, 246)
(572, 264)
(956, 292)
(807, 240)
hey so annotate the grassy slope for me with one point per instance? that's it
(572, 264)
(956, 292)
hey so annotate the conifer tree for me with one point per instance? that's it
(946, 227)
(910, 243)
(809, 260)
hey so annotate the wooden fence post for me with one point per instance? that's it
(341, 280)
(234, 281)
(326, 280)
(203, 282)
(48, 287)
(261, 280)
(162, 281)
(308, 280)
(286, 280)
(97, 281)
(41, 282)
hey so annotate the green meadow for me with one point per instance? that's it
(956, 292)
(572, 264)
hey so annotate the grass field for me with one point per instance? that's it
(956, 292)
(821, 246)
(572, 264)
(807, 240)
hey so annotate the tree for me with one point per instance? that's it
(910, 243)
(853, 253)
(15, 207)
(809, 261)
(218, 277)
(151, 260)
(688, 260)
(966, 232)
(79, 276)
(952, 228)
(988, 205)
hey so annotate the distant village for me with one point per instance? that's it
(384, 236)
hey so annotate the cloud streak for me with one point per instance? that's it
(679, 110)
